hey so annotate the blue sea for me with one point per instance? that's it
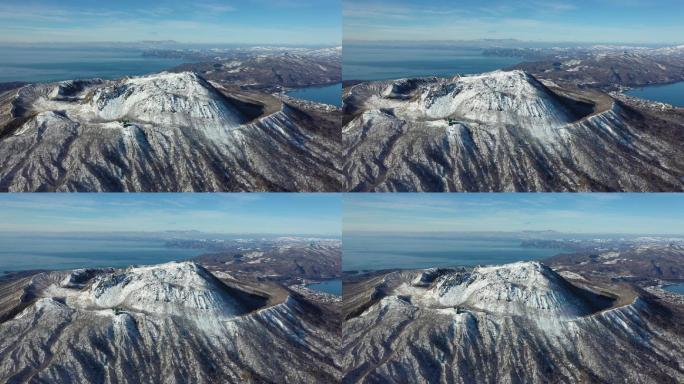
(365, 252)
(329, 94)
(670, 93)
(47, 64)
(361, 62)
(19, 252)
(333, 287)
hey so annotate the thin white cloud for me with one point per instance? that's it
(534, 20)
(384, 11)
(214, 7)
(192, 23)
(584, 213)
(179, 30)
(294, 4)
(215, 213)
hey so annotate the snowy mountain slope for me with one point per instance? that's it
(163, 132)
(513, 323)
(169, 288)
(168, 323)
(166, 99)
(497, 98)
(515, 289)
(503, 131)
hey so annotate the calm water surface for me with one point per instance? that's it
(333, 287)
(362, 252)
(676, 288)
(379, 63)
(22, 253)
(329, 94)
(670, 94)
(30, 64)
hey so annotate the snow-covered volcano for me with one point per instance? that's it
(166, 99)
(172, 288)
(523, 289)
(163, 132)
(489, 100)
(502, 131)
(518, 322)
(162, 323)
(520, 288)
(499, 97)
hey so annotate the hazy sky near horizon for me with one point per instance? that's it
(604, 21)
(229, 213)
(315, 22)
(629, 213)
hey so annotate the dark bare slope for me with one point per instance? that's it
(9, 86)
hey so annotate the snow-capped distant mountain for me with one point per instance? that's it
(518, 322)
(503, 131)
(272, 73)
(608, 68)
(163, 132)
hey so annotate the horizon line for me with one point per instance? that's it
(169, 230)
(643, 234)
(171, 42)
(352, 40)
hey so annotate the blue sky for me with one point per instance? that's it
(631, 21)
(315, 22)
(649, 213)
(266, 213)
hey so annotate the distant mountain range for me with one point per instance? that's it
(606, 68)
